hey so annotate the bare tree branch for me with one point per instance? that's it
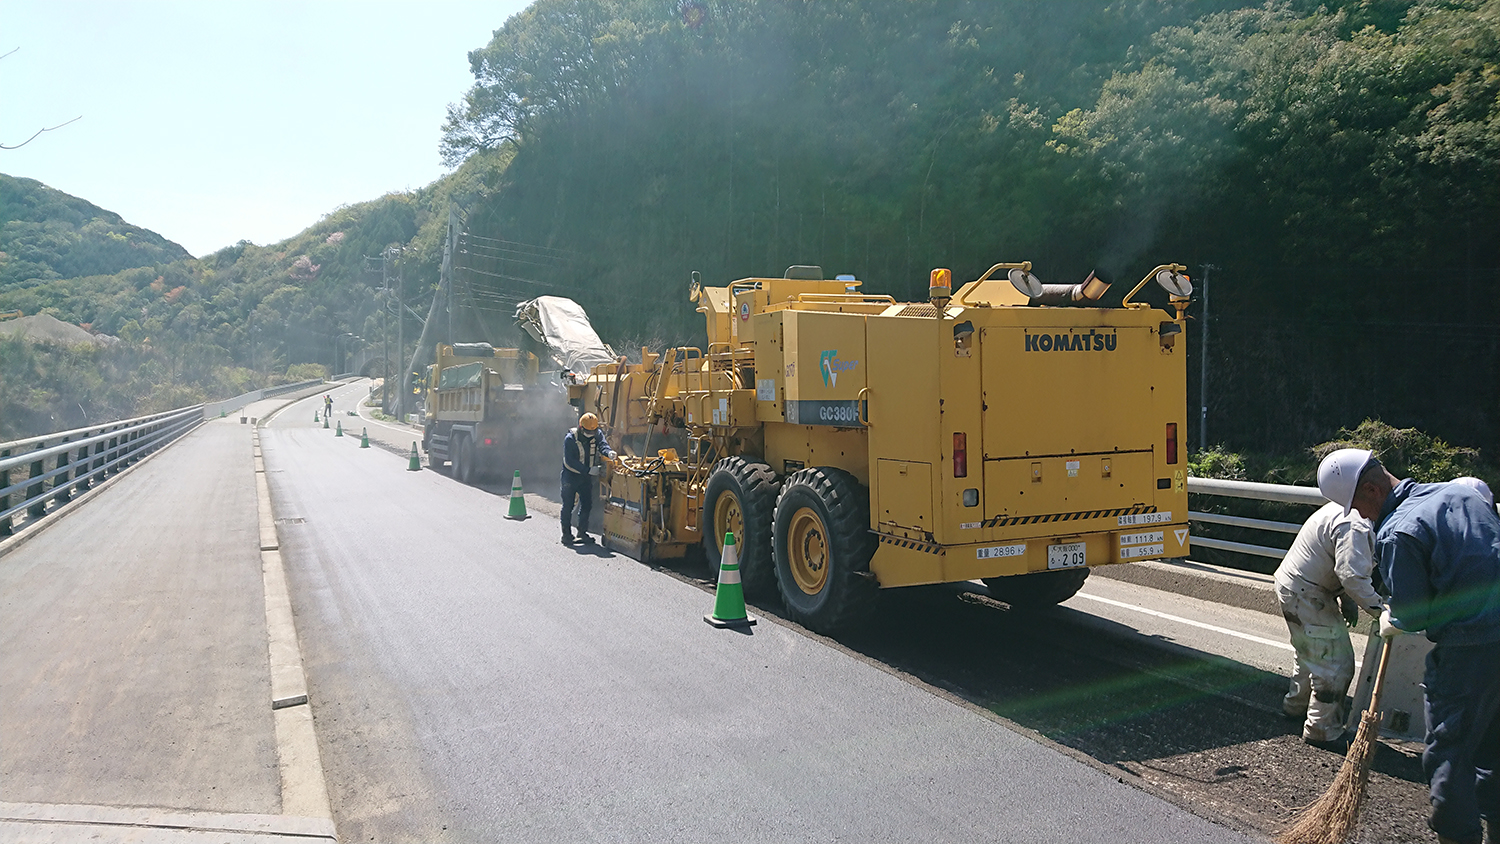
(39, 132)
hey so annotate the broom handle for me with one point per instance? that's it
(1385, 659)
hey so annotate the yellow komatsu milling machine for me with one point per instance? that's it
(1013, 431)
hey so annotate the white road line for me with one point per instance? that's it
(1180, 620)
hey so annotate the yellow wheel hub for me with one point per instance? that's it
(728, 518)
(807, 551)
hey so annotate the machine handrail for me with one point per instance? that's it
(871, 298)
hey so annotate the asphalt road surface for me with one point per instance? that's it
(471, 679)
(1176, 695)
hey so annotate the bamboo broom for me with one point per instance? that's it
(1331, 820)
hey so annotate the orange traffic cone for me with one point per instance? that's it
(729, 598)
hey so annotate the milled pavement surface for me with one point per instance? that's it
(136, 701)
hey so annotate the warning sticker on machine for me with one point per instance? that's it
(970, 525)
(1133, 519)
(1137, 552)
(1142, 538)
(765, 389)
(1017, 550)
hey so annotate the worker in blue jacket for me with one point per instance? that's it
(585, 456)
(1438, 550)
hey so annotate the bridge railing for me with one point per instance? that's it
(52, 468)
(213, 409)
(47, 471)
(1280, 493)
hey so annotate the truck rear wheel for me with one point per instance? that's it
(823, 550)
(463, 459)
(740, 498)
(434, 462)
(1039, 588)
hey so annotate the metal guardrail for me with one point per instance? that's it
(1283, 493)
(83, 456)
(79, 458)
(217, 408)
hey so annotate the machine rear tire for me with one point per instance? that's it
(1039, 588)
(751, 491)
(823, 550)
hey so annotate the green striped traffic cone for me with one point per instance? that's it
(729, 598)
(325, 423)
(364, 437)
(316, 417)
(340, 431)
(517, 499)
(415, 464)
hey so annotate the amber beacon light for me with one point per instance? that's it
(940, 287)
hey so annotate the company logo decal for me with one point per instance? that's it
(1094, 341)
(832, 366)
(744, 311)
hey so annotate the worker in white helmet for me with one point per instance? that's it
(1437, 547)
(1329, 564)
(585, 456)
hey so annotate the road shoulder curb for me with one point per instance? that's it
(1235, 588)
(304, 789)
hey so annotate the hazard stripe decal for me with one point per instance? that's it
(902, 542)
(1003, 521)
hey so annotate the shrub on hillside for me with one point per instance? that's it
(1408, 452)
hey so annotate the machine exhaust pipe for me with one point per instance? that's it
(1083, 294)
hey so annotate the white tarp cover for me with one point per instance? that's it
(563, 326)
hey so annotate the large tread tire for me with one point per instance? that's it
(830, 509)
(754, 487)
(434, 462)
(1039, 588)
(463, 459)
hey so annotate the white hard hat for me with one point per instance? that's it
(1478, 486)
(1338, 475)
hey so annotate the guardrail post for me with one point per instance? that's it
(109, 457)
(5, 526)
(81, 469)
(39, 506)
(62, 491)
(98, 464)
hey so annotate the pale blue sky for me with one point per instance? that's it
(215, 121)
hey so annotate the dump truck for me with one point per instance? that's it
(1014, 431)
(473, 404)
(490, 409)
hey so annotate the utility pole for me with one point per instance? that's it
(1203, 367)
(400, 347)
(385, 327)
(450, 248)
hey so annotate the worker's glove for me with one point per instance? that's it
(1387, 629)
(1349, 609)
(596, 471)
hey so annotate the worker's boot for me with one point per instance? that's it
(583, 536)
(567, 538)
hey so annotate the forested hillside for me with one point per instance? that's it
(46, 234)
(1330, 167)
(1336, 163)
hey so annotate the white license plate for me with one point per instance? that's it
(1071, 555)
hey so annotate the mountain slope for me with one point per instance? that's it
(46, 234)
